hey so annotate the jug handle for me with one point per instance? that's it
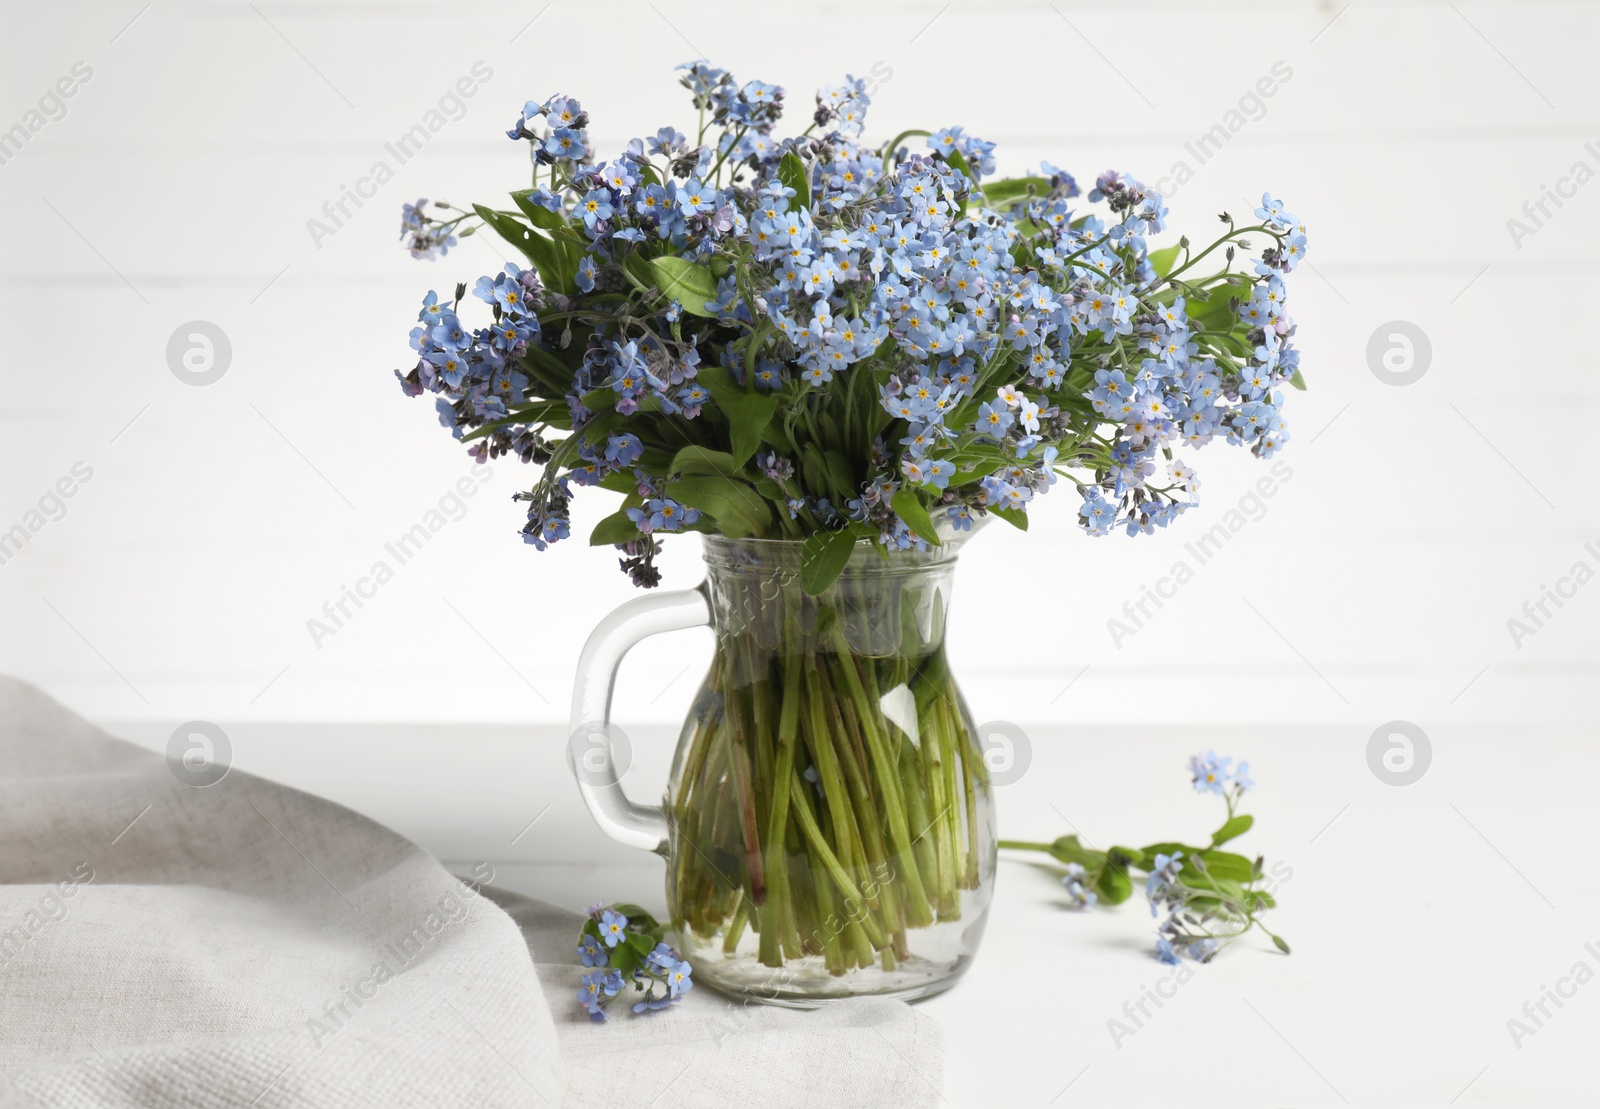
(589, 754)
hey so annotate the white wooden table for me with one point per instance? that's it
(1422, 917)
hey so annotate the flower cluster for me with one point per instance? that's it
(905, 344)
(623, 944)
(1212, 774)
(1205, 898)
(1074, 880)
(427, 236)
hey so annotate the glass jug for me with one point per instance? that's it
(828, 824)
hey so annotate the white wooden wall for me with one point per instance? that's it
(178, 186)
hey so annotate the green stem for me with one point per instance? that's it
(969, 783)
(853, 758)
(778, 817)
(830, 861)
(736, 927)
(748, 819)
(1024, 845)
(918, 912)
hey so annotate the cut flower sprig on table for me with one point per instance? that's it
(1210, 897)
(625, 946)
(817, 338)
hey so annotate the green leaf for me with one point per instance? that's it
(600, 425)
(793, 173)
(827, 428)
(537, 413)
(636, 915)
(615, 528)
(1226, 866)
(978, 472)
(1010, 188)
(550, 258)
(603, 399)
(749, 411)
(637, 266)
(840, 474)
(740, 512)
(909, 508)
(703, 462)
(1016, 517)
(625, 959)
(537, 215)
(1114, 885)
(1126, 856)
(1161, 260)
(1281, 944)
(1211, 891)
(1067, 849)
(775, 435)
(1154, 849)
(823, 558)
(748, 418)
(1150, 851)
(1298, 382)
(559, 364)
(689, 283)
(508, 227)
(557, 265)
(768, 488)
(1212, 309)
(1234, 828)
(813, 467)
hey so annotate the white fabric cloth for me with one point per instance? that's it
(710, 1050)
(248, 945)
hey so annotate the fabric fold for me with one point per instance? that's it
(239, 944)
